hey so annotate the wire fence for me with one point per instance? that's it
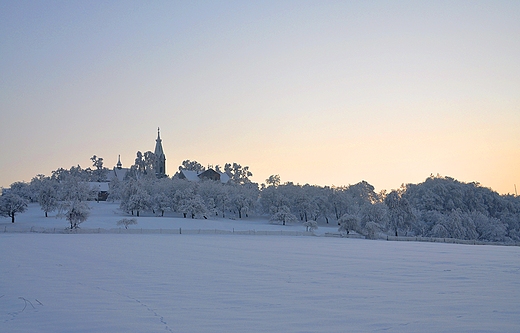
(447, 240)
(176, 231)
(181, 231)
(425, 239)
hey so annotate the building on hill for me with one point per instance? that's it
(119, 173)
(101, 188)
(210, 174)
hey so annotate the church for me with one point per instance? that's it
(120, 173)
(160, 163)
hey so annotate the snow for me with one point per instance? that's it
(239, 283)
(106, 214)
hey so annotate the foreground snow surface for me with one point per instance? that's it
(236, 283)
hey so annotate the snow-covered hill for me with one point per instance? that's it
(231, 283)
(106, 214)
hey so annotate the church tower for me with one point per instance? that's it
(119, 165)
(160, 163)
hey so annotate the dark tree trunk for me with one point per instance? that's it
(137, 213)
(12, 218)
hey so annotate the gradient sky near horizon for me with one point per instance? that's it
(319, 92)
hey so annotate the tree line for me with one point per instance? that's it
(438, 207)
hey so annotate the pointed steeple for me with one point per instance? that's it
(119, 165)
(158, 145)
(160, 164)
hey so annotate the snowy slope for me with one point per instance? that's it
(106, 214)
(235, 283)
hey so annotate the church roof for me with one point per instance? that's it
(192, 176)
(195, 176)
(99, 186)
(158, 146)
(118, 173)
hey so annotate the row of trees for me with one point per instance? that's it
(141, 191)
(191, 199)
(438, 207)
(68, 191)
(69, 197)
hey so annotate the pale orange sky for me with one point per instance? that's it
(327, 93)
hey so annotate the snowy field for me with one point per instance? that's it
(236, 283)
(106, 214)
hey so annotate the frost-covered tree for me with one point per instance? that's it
(143, 165)
(74, 189)
(115, 189)
(324, 207)
(160, 202)
(284, 216)
(310, 225)
(48, 196)
(489, 228)
(304, 205)
(76, 172)
(76, 212)
(371, 229)
(127, 189)
(127, 222)
(182, 198)
(272, 198)
(24, 190)
(12, 204)
(215, 196)
(191, 166)
(193, 206)
(273, 180)
(376, 213)
(242, 198)
(138, 201)
(99, 173)
(338, 199)
(347, 223)
(400, 213)
(237, 173)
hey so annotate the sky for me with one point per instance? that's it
(318, 92)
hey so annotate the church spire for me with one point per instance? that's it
(160, 163)
(119, 165)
